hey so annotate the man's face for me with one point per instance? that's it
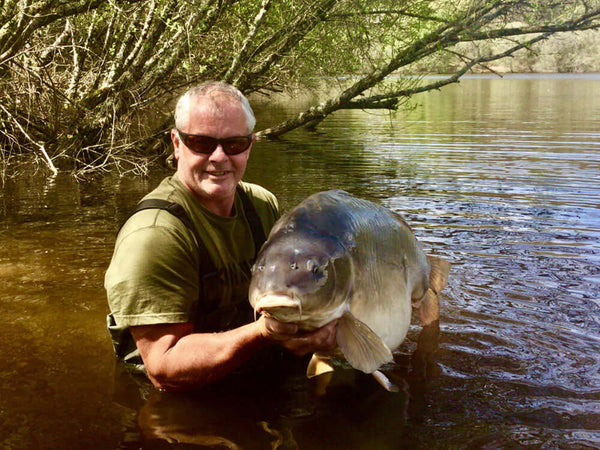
(212, 178)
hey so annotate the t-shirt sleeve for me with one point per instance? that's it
(153, 277)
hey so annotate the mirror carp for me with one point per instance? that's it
(336, 256)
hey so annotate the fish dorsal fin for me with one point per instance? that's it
(362, 348)
(318, 365)
(438, 274)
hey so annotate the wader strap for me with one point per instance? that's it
(207, 265)
(258, 233)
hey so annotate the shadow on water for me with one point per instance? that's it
(273, 405)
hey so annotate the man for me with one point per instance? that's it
(165, 307)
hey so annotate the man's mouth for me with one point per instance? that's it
(218, 173)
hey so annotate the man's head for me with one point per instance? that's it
(212, 116)
(209, 89)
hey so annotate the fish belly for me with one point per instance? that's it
(387, 313)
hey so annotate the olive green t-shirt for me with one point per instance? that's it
(153, 277)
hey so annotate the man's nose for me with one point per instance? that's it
(219, 154)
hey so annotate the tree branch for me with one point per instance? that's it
(399, 12)
(244, 50)
(304, 26)
(40, 147)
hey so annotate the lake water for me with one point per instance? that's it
(499, 176)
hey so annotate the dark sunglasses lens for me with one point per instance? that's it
(200, 144)
(235, 145)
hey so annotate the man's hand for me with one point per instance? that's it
(300, 343)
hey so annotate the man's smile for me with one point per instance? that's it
(218, 173)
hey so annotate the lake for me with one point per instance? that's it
(499, 176)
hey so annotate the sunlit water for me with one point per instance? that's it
(501, 177)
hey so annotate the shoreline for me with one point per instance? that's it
(512, 75)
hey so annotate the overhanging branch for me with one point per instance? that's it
(390, 100)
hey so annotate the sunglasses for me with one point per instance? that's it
(206, 144)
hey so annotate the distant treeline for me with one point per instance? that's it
(577, 52)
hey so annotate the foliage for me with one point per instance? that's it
(88, 85)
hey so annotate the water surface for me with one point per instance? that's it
(500, 176)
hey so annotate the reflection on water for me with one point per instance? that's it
(276, 406)
(498, 176)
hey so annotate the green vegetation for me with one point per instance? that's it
(88, 85)
(575, 52)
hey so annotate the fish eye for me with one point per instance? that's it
(312, 266)
(257, 267)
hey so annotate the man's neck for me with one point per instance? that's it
(220, 207)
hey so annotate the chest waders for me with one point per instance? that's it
(210, 316)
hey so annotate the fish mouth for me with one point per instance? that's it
(281, 307)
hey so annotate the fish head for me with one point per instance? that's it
(302, 280)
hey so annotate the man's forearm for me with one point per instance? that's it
(176, 360)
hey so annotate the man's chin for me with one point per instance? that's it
(221, 189)
(211, 192)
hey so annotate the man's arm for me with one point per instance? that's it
(176, 358)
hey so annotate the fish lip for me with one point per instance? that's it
(268, 301)
(275, 301)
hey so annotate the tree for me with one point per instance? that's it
(88, 85)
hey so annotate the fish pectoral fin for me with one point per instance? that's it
(385, 382)
(318, 365)
(438, 274)
(361, 346)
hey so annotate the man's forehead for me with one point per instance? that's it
(205, 113)
(215, 103)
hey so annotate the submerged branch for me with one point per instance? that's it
(40, 147)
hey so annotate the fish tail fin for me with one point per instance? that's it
(318, 365)
(429, 311)
(438, 274)
(361, 346)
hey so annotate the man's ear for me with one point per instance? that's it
(176, 143)
(252, 143)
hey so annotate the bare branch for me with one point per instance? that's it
(142, 36)
(244, 50)
(41, 147)
(399, 12)
(304, 26)
(47, 54)
(13, 37)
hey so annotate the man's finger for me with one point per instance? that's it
(280, 330)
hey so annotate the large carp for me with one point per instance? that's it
(335, 256)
